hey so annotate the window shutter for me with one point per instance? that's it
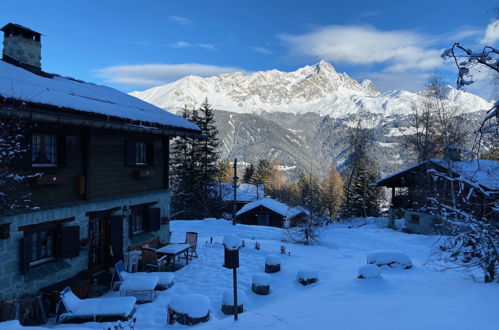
(116, 228)
(23, 159)
(61, 150)
(72, 149)
(130, 226)
(150, 153)
(70, 242)
(25, 253)
(154, 213)
(130, 152)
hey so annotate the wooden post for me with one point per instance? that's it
(234, 278)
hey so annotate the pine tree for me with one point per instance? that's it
(249, 174)
(263, 173)
(363, 199)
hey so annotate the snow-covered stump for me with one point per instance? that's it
(306, 277)
(391, 259)
(369, 272)
(189, 309)
(261, 284)
(272, 263)
(228, 302)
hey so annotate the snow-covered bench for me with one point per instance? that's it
(70, 307)
(141, 288)
(392, 259)
(189, 309)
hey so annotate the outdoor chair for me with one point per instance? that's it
(165, 280)
(150, 260)
(131, 259)
(70, 307)
(191, 238)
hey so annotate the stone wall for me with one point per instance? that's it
(14, 284)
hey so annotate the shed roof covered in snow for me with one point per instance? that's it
(22, 89)
(268, 203)
(479, 173)
(245, 192)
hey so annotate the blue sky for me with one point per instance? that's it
(133, 45)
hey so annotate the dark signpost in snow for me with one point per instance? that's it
(232, 244)
(235, 184)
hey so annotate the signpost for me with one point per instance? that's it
(232, 244)
(235, 184)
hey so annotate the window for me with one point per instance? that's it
(44, 150)
(141, 156)
(42, 245)
(138, 220)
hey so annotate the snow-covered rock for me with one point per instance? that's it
(261, 279)
(391, 259)
(369, 271)
(228, 297)
(273, 259)
(194, 305)
(232, 242)
(308, 275)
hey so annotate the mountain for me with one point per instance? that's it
(301, 116)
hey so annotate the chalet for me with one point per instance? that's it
(245, 193)
(99, 162)
(468, 185)
(269, 212)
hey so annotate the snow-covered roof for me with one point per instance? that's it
(20, 84)
(293, 212)
(245, 192)
(269, 203)
(484, 173)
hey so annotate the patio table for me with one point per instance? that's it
(175, 250)
(140, 287)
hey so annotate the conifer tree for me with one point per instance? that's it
(332, 192)
(249, 174)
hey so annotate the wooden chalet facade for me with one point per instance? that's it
(99, 163)
(471, 186)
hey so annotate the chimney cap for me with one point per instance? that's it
(12, 27)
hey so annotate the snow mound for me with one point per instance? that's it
(261, 279)
(391, 259)
(307, 275)
(369, 271)
(228, 297)
(273, 259)
(232, 242)
(192, 304)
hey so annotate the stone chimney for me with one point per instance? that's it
(22, 47)
(453, 153)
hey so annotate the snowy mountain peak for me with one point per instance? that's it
(316, 88)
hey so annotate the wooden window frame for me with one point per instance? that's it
(141, 153)
(54, 148)
(143, 210)
(53, 233)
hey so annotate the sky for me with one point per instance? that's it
(135, 45)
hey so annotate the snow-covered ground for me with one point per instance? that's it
(417, 298)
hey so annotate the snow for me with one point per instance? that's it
(164, 279)
(97, 306)
(228, 297)
(261, 279)
(139, 283)
(232, 242)
(369, 272)
(194, 305)
(307, 274)
(389, 258)
(482, 172)
(415, 299)
(273, 259)
(269, 203)
(20, 84)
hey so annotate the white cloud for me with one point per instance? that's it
(148, 75)
(262, 50)
(180, 20)
(400, 50)
(491, 34)
(207, 46)
(180, 44)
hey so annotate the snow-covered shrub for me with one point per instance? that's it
(228, 302)
(272, 263)
(261, 284)
(369, 271)
(392, 259)
(189, 309)
(306, 277)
